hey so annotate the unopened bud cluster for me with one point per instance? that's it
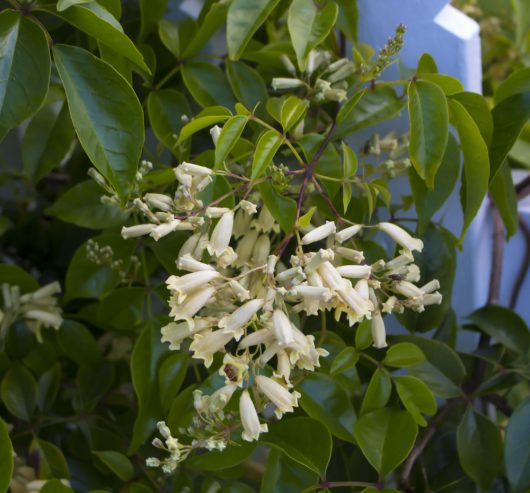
(105, 256)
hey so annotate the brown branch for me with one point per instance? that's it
(497, 258)
(525, 264)
(522, 189)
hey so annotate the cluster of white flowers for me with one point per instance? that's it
(39, 309)
(240, 300)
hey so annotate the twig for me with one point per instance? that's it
(497, 259)
(523, 188)
(525, 264)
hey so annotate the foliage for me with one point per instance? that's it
(155, 165)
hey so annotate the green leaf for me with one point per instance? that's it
(166, 109)
(429, 128)
(19, 392)
(517, 448)
(416, 397)
(386, 437)
(151, 11)
(25, 67)
(98, 22)
(171, 376)
(14, 275)
(118, 463)
(220, 460)
(50, 459)
(509, 118)
(106, 114)
(81, 205)
(64, 4)
(266, 148)
(243, 20)
(47, 141)
(479, 446)
(324, 400)
(516, 83)
(430, 201)
(403, 354)
(348, 19)
(168, 32)
(374, 106)
(207, 84)
(476, 163)
(503, 193)
(212, 21)
(309, 26)
(296, 437)
(248, 85)
(345, 360)
(48, 386)
(478, 108)
(55, 486)
(504, 325)
(6, 464)
(228, 138)
(347, 108)
(284, 475)
(349, 160)
(122, 308)
(145, 358)
(377, 393)
(442, 370)
(449, 85)
(426, 65)
(292, 111)
(363, 335)
(78, 343)
(200, 123)
(283, 209)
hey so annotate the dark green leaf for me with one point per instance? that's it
(266, 148)
(429, 128)
(325, 400)
(283, 209)
(118, 463)
(348, 19)
(247, 84)
(25, 67)
(56, 486)
(284, 475)
(243, 20)
(296, 437)
(6, 451)
(78, 343)
(19, 392)
(478, 108)
(345, 360)
(122, 308)
(211, 22)
(170, 377)
(479, 447)
(51, 461)
(151, 11)
(403, 354)
(292, 111)
(386, 437)
(228, 138)
(106, 114)
(516, 83)
(416, 397)
(517, 448)
(14, 275)
(81, 205)
(503, 193)
(220, 460)
(48, 386)
(377, 393)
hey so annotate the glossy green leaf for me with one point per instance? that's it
(416, 397)
(266, 148)
(517, 448)
(430, 201)
(345, 360)
(502, 191)
(348, 19)
(426, 65)
(118, 463)
(64, 4)
(479, 447)
(200, 123)
(171, 376)
(56, 486)
(168, 32)
(78, 343)
(12, 274)
(243, 20)
(449, 85)
(47, 141)
(230, 133)
(292, 111)
(296, 437)
(324, 400)
(386, 437)
(50, 458)
(282, 208)
(106, 114)
(25, 67)
(363, 335)
(504, 325)
(429, 128)
(349, 161)
(478, 108)
(19, 392)
(122, 308)
(48, 386)
(516, 83)
(285, 475)
(166, 109)
(98, 22)
(207, 84)
(248, 85)
(151, 11)
(6, 451)
(220, 460)
(377, 393)
(309, 26)
(81, 205)
(210, 23)
(347, 108)
(403, 354)
(476, 163)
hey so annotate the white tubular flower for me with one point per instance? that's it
(206, 344)
(331, 276)
(282, 328)
(266, 222)
(390, 304)
(221, 234)
(431, 286)
(159, 201)
(319, 233)
(378, 331)
(249, 418)
(249, 207)
(242, 223)
(49, 319)
(175, 333)
(312, 292)
(283, 367)
(193, 303)
(234, 369)
(195, 169)
(239, 290)
(401, 237)
(279, 83)
(235, 323)
(289, 66)
(289, 274)
(399, 261)
(263, 336)
(261, 250)
(360, 306)
(412, 273)
(284, 400)
(245, 246)
(432, 299)
(185, 179)
(319, 258)
(164, 229)
(227, 257)
(136, 231)
(346, 234)
(188, 283)
(363, 289)
(188, 263)
(215, 131)
(350, 254)
(355, 271)
(269, 353)
(216, 212)
(43, 292)
(407, 289)
(220, 398)
(272, 260)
